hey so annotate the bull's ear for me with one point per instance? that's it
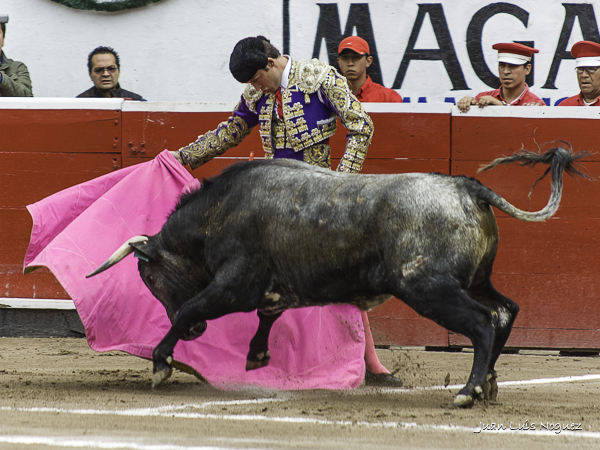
(145, 250)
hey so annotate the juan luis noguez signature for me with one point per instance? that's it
(556, 427)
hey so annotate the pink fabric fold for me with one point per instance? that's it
(76, 230)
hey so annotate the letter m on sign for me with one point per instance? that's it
(445, 53)
(330, 30)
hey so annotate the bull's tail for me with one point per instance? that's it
(559, 159)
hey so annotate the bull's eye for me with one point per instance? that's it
(150, 280)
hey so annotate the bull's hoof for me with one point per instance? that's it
(161, 372)
(258, 361)
(465, 399)
(491, 387)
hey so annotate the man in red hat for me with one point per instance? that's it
(587, 59)
(514, 64)
(354, 58)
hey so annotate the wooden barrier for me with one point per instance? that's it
(49, 144)
(547, 268)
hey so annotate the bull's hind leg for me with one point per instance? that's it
(506, 312)
(442, 300)
(218, 299)
(259, 355)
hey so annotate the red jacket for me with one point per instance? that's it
(376, 93)
(526, 97)
(577, 100)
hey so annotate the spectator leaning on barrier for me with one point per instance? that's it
(104, 68)
(14, 76)
(354, 58)
(587, 60)
(514, 64)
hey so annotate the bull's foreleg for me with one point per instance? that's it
(442, 300)
(217, 300)
(259, 355)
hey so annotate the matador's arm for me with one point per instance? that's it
(354, 117)
(227, 135)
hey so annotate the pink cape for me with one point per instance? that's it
(76, 230)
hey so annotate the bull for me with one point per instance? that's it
(280, 234)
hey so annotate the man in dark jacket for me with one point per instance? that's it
(14, 76)
(104, 69)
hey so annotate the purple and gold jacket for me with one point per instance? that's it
(315, 95)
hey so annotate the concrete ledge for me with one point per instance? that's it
(24, 317)
(36, 303)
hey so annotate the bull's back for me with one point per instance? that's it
(320, 225)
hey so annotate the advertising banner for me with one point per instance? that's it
(178, 50)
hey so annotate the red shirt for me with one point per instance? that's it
(526, 97)
(577, 100)
(376, 93)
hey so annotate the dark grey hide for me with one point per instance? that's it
(280, 234)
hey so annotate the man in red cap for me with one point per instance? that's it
(587, 59)
(514, 64)
(354, 58)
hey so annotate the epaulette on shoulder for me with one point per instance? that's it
(309, 75)
(251, 95)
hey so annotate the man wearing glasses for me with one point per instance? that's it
(104, 68)
(587, 59)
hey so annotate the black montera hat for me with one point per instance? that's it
(247, 58)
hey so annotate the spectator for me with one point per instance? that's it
(104, 69)
(354, 58)
(14, 76)
(514, 64)
(587, 61)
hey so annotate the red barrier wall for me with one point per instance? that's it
(548, 268)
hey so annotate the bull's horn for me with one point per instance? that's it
(117, 256)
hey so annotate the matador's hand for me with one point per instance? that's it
(177, 156)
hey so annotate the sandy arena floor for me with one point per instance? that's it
(58, 393)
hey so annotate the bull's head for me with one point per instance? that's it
(170, 277)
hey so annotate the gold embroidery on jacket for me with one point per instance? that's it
(309, 75)
(251, 96)
(318, 155)
(354, 117)
(227, 135)
(306, 77)
(265, 118)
